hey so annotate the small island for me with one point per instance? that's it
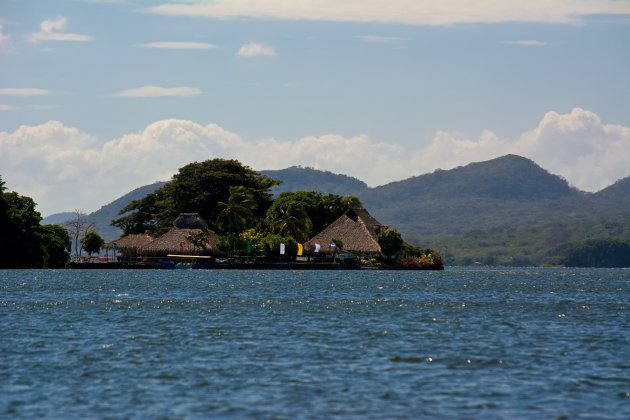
(221, 214)
(216, 214)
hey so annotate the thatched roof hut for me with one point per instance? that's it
(356, 229)
(189, 235)
(190, 221)
(130, 245)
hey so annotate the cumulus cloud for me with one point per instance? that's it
(24, 92)
(410, 12)
(63, 168)
(4, 39)
(178, 45)
(256, 49)
(157, 91)
(55, 30)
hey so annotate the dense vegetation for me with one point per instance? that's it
(23, 242)
(598, 253)
(237, 204)
(196, 188)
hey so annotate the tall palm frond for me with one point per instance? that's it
(238, 212)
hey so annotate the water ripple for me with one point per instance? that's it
(506, 343)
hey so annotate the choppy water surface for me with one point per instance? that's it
(522, 343)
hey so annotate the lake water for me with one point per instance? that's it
(462, 343)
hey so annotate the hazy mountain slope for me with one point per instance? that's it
(510, 191)
(507, 177)
(103, 216)
(616, 196)
(109, 212)
(298, 178)
(57, 218)
(620, 188)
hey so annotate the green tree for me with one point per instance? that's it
(153, 213)
(198, 240)
(19, 224)
(196, 188)
(390, 241)
(238, 212)
(56, 245)
(77, 226)
(607, 252)
(92, 242)
(291, 219)
(271, 244)
(320, 209)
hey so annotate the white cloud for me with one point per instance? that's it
(528, 42)
(410, 12)
(59, 166)
(157, 91)
(5, 107)
(578, 146)
(24, 92)
(4, 39)
(178, 45)
(55, 30)
(256, 49)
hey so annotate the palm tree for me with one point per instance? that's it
(238, 212)
(291, 219)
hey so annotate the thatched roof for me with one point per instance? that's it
(356, 228)
(177, 241)
(190, 221)
(130, 244)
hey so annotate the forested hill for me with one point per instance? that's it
(509, 191)
(298, 178)
(508, 177)
(618, 190)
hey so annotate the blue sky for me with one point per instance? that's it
(100, 97)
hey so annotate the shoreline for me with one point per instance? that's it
(238, 266)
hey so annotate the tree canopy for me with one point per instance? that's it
(306, 213)
(196, 188)
(608, 252)
(391, 241)
(92, 242)
(20, 244)
(56, 245)
(23, 242)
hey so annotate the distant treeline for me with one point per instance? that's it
(598, 253)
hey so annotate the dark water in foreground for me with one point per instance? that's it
(521, 343)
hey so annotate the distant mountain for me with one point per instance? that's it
(617, 190)
(509, 191)
(507, 177)
(298, 178)
(109, 212)
(57, 218)
(507, 210)
(103, 216)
